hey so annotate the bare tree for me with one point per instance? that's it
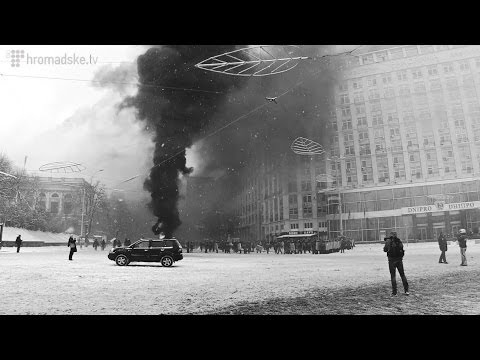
(94, 196)
(18, 197)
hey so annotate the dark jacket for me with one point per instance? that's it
(18, 241)
(462, 241)
(389, 248)
(442, 242)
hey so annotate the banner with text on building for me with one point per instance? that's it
(440, 206)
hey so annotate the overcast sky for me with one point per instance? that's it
(51, 120)
(67, 119)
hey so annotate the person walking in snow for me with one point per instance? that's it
(18, 242)
(267, 246)
(343, 244)
(299, 247)
(318, 246)
(442, 243)
(72, 246)
(462, 243)
(95, 244)
(281, 247)
(292, 247)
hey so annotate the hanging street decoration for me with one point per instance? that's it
(303, 146)
(62, 167)
(254, 61)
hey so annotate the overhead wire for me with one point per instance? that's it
(187, 89)
(110, 82)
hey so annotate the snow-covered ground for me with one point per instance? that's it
(11, 233)
(43, 281)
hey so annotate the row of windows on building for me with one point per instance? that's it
(404, 92)
(55, 203)
(391, 54)
(430, 71)
(269, 211)
(406, 100)
(375, 200)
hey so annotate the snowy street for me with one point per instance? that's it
(42, 280)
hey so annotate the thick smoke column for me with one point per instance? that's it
(176, 116)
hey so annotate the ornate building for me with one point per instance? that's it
(62, 198)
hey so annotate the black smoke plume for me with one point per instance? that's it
(179, 118)
(176, 116)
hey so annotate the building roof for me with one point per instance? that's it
(295, 236)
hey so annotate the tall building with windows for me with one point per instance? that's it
(404, 154)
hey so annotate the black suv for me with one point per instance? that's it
(167, 251)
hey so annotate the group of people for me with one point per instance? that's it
(461, 238)
(395, 252)
(97, 243)
(279, 246)
(72, 244)
(118, 242)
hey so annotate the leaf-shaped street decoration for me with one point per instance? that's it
(260, 60)
(62, 167)
(303, 146)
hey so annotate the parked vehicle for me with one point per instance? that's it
(165, 251)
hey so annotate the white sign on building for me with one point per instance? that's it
(440, 206)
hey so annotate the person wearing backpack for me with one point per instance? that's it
(394, 249)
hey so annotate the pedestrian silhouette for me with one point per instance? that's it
(18, 242)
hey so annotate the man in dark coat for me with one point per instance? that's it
(343, 244)
(73, 247)
(18, 242)
(442, 243)
(462, 243)
(103, 244)
(127, 242)
(394, 249)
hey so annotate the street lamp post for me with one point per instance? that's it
(337, 160)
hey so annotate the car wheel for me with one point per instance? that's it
(121, 260)
(166, 261)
